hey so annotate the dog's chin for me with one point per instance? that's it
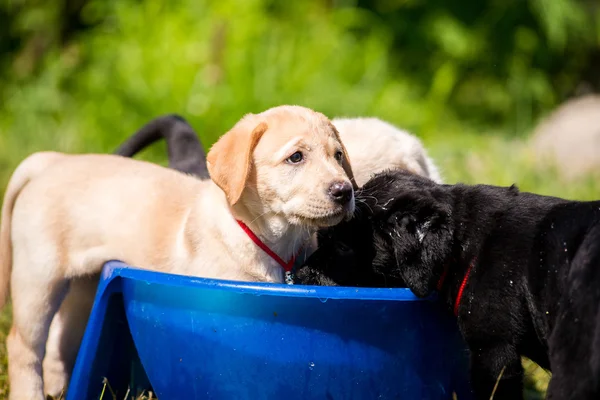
(319, 221)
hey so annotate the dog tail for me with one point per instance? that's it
(25, 172)
(183, 145)
(158, 128)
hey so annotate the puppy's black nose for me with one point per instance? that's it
(341, 192)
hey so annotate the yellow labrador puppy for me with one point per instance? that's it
(375, 145)
(275, 178)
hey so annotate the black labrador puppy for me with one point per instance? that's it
(520, 271)
(183, 145)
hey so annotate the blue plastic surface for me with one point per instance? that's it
(211, 339)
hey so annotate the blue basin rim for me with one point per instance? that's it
(114, 269)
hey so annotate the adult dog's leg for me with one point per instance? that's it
(574, 344)
(487, 363)
(572, 375)
(66, 332)
(574, 348)
(574, 357)
(37, 293)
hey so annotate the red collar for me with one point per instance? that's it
(287, 266)
(461, 288)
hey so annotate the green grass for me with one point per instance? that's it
(498, 160)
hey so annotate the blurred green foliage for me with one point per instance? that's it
(488, 61)
(469, 77)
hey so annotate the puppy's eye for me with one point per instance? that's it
(338, 155)
(295, 158)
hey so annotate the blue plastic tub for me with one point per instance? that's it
(195, 338)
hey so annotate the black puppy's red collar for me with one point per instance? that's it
(461, 289)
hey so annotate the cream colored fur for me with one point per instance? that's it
(64, 216)
(374, 145)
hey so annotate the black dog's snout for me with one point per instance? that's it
(340, 192)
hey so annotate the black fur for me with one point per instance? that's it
(534, 288)
(183, 145)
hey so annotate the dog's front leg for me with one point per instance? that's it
(497, 364)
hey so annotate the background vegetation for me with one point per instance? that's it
(471, 78)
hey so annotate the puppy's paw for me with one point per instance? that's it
(311, 276)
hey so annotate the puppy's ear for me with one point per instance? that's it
(422, 243)
(230, 159)
(345, 158)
